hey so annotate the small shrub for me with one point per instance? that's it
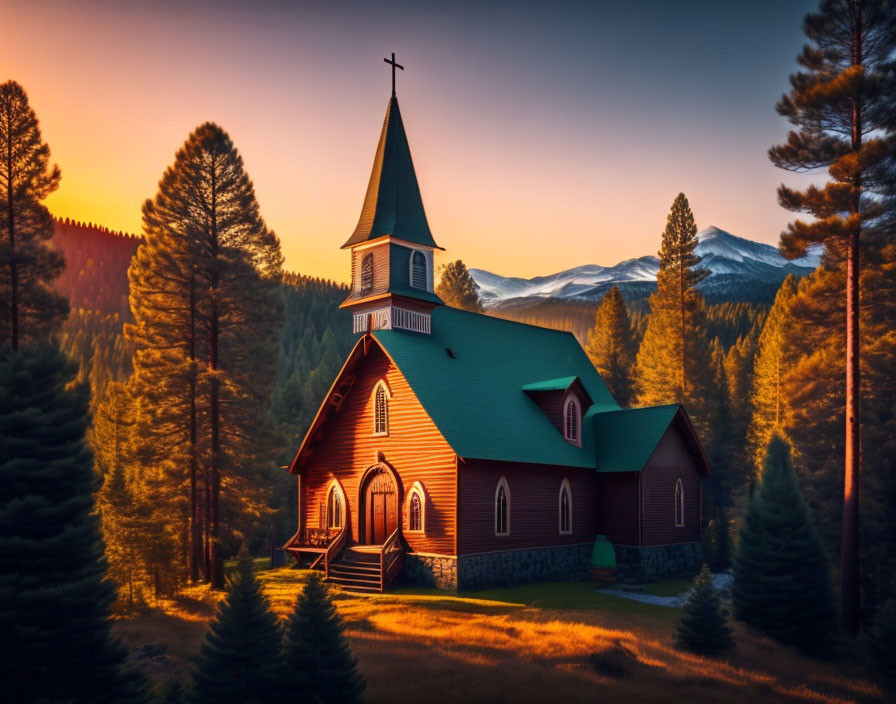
(703, 627)
(616, 661)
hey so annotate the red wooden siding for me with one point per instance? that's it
(414, 448)
(616, 507)
(670, 461)
(534, 505)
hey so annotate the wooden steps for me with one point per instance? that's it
(358, 571)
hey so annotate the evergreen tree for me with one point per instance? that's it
(241, 659)
(782, 583)
(317, 654)
(457, 288)
(703, 627)
(842, 104)
(30, 307)
(55, 639)
(208, 276)
(770, 365)
(611, 347)
(674, 356)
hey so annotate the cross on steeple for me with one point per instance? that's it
(394, 66)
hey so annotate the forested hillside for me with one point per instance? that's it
(96, 265)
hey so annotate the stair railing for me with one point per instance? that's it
(391, 558)
(334, 550)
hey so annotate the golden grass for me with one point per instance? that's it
(509, 646)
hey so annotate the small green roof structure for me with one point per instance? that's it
(603, 554)
(393, 205)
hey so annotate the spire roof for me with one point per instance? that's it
(393, 205)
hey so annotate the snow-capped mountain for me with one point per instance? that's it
(740, 270)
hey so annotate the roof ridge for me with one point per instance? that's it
(512, 322)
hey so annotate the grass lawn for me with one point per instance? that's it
(558, 641)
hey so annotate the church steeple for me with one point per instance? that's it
(393, 205)
(392, 247)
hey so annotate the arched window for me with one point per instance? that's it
(415, 508)
(380, 410)
(679, 503)
(565, 508)
(367, 273)
(335, 508)
(572, 420)
(418, 269)
(502, 508)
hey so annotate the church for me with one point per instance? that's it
(461, 451)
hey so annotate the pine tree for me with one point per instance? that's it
(55, 639)
(703, 627)
(241, 659)
(31, 309)
(611, 346)
(773, 360)
(123, 536)
(457, 288)
(842, 104)
(207, 311)
(674, 356)
(317, 653)
(782, 582)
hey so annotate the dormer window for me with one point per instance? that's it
(418, 270)
(367, 273)
(380, 409)
(572, 421)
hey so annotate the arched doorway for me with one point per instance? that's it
(379, 506)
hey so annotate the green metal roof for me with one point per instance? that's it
(475, 394)
(393, 205)
(561, 384)
(625, 439)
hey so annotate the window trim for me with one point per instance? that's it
(679, 503)
(502, 482)
(425, 286)
(387, 396)
(572, 399)
(335, 486)
(416, 490)
(564, 485)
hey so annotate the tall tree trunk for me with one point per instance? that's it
(207, 527)
(217, 566)
(850, 599)
(849, 549)
(195, 528)
(217, 575)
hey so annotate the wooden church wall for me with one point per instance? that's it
(616, 507)
(670, 461)
(534, 505)
(414, 448)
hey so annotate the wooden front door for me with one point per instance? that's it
(380, 507)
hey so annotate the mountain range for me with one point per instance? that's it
(740, 270)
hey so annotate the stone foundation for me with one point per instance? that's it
(508, 567)
(421, 570)
(499, 569)
(648, 564)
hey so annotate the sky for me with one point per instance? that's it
(545, 135)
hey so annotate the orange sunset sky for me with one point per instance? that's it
(542, 139)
